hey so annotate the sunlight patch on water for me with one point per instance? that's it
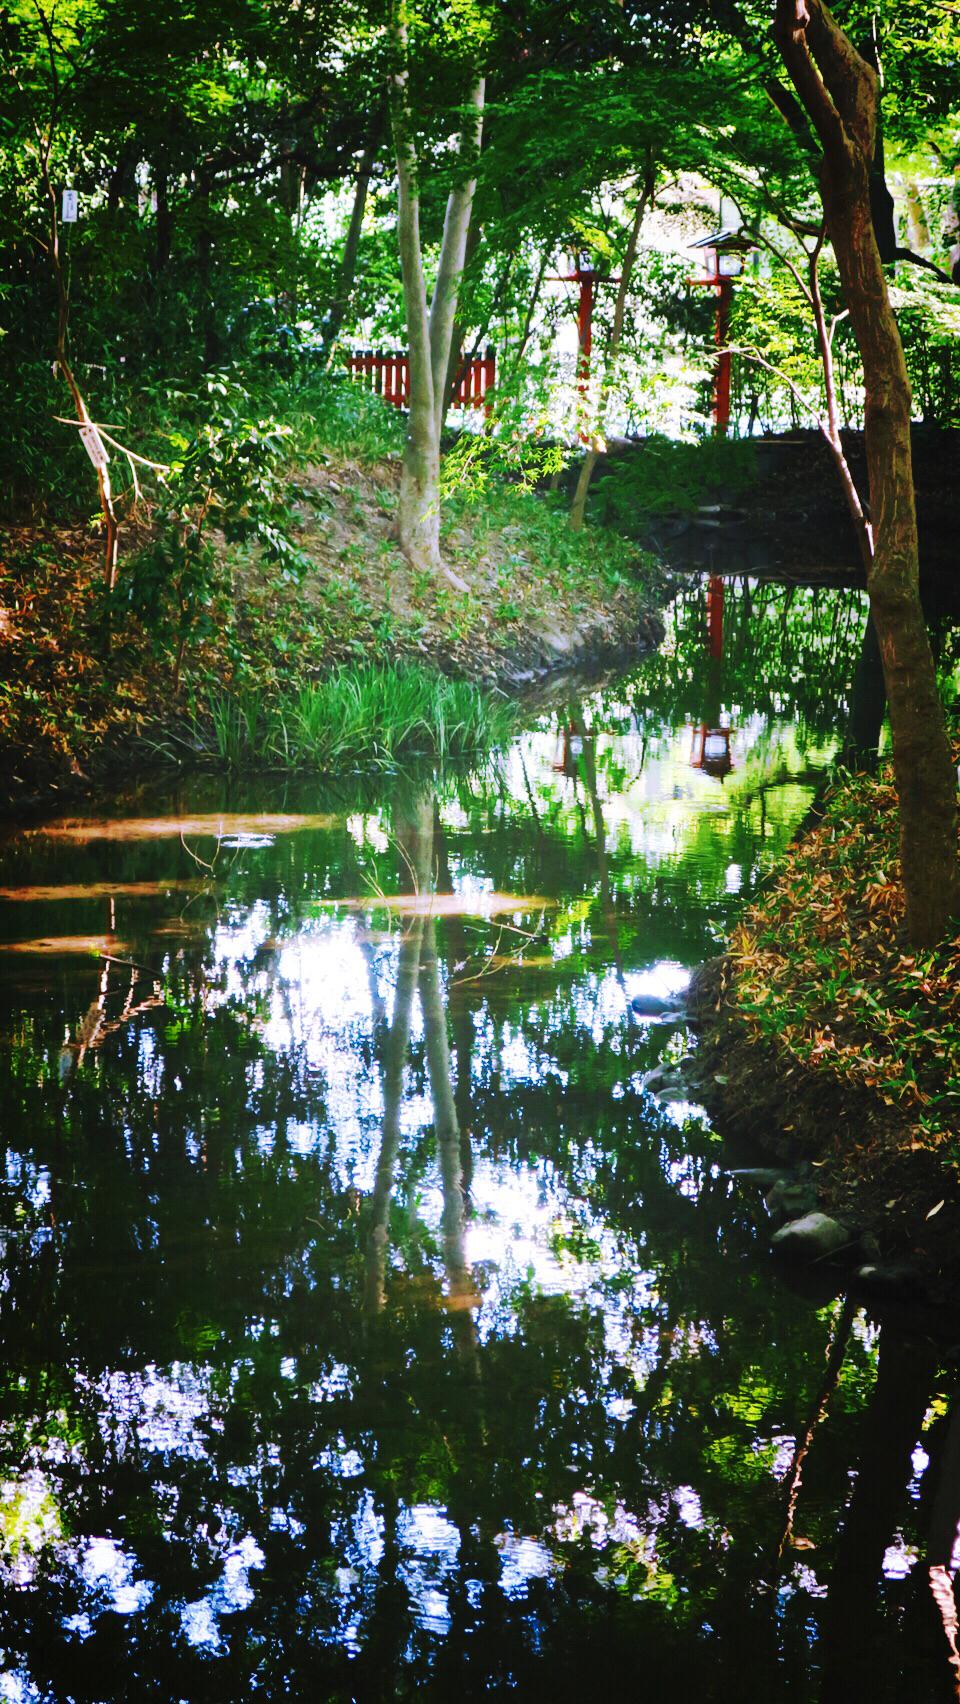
(262, 826)
(17, 1688)
(108, 1571)
(899, 1559)
(168, 1411)
(232, 1593)
(521, 1561)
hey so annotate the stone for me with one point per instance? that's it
(651, 1006)
(791, 1198)
(764, 1176)
(813, 1237)
(894, 1282)
(555, 645)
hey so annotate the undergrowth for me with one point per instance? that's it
(821, 967)
(267, 558)
(672, 476)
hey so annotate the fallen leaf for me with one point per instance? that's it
(935, 1209)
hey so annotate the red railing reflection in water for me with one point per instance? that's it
(387, 374)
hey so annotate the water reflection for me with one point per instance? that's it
(370, 1328)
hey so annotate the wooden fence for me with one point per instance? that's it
(388, 375)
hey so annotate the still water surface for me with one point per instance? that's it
(372, 1329)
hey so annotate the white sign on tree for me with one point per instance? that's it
(94, 446)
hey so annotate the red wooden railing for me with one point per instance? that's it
(388, 375)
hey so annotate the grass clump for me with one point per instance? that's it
(366, 716)
(822, 969)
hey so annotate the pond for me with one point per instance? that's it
(379, 1318)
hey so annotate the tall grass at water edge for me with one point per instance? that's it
(370, 715)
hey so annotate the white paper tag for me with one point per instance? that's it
(94, 446)
(68, 211)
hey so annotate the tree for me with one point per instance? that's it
(644, 198)
(838, 90)
(429, 332)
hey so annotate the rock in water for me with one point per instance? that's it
(651, 1006)
(791, 1198)
(895, 1282)
(810, 1238)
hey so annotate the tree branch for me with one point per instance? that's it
(828, 75)
(443, 309)
(929, 265)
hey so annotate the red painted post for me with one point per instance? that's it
(715, 616)
(721, 383)
(585, 340)
(585, 328)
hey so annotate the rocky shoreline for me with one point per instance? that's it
(834, 1176)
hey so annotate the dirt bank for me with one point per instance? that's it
(827, 1039)
(87, 693)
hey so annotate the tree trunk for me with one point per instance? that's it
(455, 365)
(850, 1654)
(164, 232)
(429, 334)
(838, 90)
(613, 353)
(414, 832)
(351, 248)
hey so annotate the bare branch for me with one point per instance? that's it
(929, 265)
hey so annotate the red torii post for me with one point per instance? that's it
(723, 255)
(588, 277)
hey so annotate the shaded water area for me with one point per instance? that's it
(371, 1327)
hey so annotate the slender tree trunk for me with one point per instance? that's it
(459, 330)
(351, 248)
(461, 1295)
(164, 234)
(838, 90)
(104, 486)
(429, 333)
(836, 1353)
(613, 353)
(453, 254)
